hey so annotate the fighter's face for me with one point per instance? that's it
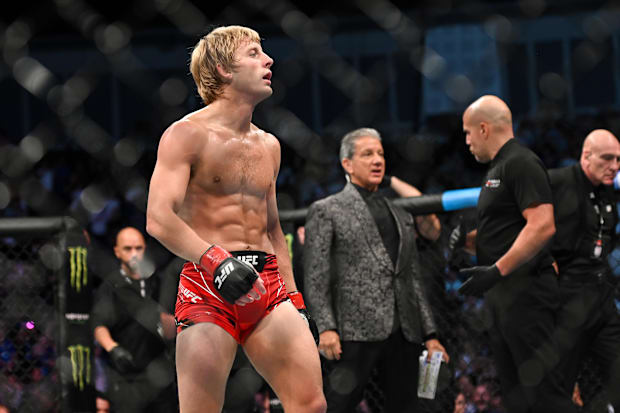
(601, 165)
(476, 137)
(252, 74)
(367, 166)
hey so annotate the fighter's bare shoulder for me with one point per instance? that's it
(189, 134)
(269, 140)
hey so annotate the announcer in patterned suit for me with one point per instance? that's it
(363, 284)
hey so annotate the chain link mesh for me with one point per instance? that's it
(28, 355)
(28, 327)
(462, 327)
(88, 89)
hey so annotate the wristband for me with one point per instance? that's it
(297, 299)
(212, 257)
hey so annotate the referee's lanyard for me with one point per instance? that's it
(143, 286)
(598, 243)
(129, 280)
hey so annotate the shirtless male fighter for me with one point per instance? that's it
(212, 201)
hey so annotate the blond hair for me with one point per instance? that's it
(218, 47)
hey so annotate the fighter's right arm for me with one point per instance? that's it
(179, 148)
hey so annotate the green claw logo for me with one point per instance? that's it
(79, 268)
(80, 365)
(289, 243)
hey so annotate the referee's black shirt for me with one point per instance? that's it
(516, 180)
(582, 213)
(111, 309)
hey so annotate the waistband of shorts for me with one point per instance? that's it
(260, 260)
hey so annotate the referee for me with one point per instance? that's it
(586, 217)
(515, 222)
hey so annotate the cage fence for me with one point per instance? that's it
(29, 357)
(29, 326)
(85, 105)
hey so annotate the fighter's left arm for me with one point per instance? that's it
(276, 235)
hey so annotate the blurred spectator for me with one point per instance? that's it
(132, 327)
(465, 386)
(463, 405)
(102, 404)
(11, 390)
(459, 403)
(40, 393)
(481, 399)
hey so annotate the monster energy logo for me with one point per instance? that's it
(289, 243)
(80, 365)
(79, 268)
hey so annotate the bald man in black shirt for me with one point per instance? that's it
(132, 328)
(586, 217)
(515, 223)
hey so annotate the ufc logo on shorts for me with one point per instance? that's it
(189, 294)
(227, 269)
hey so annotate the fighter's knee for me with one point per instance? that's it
(308, 401)
(313, 403)
(318, 404)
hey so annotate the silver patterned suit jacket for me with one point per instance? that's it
(350, 282)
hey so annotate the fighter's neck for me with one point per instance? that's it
(233, 114)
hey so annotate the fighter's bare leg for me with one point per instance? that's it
(284, 353)
(204, 357)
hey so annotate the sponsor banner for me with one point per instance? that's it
(76, 344)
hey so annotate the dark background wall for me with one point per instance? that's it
(88, 88)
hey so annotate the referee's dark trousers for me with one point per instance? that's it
(523, 313)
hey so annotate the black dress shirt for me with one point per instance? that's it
(377, 205)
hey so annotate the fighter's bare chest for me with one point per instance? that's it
(235, 168)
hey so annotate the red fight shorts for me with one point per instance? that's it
(199, 302)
